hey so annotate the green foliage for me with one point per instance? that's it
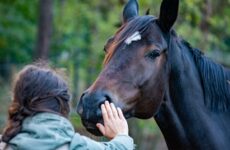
(17, 30)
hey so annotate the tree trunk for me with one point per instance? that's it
(207, 12)
(44, 29)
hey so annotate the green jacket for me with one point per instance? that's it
(47, 131)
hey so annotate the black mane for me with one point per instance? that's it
(215, 81)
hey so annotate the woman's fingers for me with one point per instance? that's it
(101, 128)
(121, 116)
(114, 121)
(104, 113)
(114, 110)
(108, 109)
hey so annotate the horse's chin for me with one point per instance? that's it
(94, 131)
(91, 128)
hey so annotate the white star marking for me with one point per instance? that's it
(135, 37)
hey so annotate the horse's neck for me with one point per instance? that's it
(190, 126)
(183, 118)
(171, 126)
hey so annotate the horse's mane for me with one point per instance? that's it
(215, 80)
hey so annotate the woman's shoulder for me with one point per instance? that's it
(47, 121)
(44, 130)
(46, 117)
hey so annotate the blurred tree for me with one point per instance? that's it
(44, 29)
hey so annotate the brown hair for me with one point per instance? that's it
(36, 89)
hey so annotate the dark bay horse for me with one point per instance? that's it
(150, 72)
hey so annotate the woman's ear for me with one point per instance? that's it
(130, 10)
(168, 14)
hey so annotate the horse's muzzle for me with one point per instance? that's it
(89, 109)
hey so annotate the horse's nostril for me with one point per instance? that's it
(105, 98)
(99, 106)
(108, 98)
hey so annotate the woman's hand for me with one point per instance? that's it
(114, 121)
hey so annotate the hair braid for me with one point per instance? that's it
(16, 115)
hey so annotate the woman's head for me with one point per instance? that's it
(37, 88)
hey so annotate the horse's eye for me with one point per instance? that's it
(153, 54)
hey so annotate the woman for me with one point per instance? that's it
(39, 111)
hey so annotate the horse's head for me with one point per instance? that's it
(134, 72)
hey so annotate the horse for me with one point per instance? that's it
(151, 72)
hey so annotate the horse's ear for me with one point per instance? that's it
(130, 10)
(168, 14)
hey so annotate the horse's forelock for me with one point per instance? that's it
(138, 24)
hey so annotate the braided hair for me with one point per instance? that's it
(36, 89)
